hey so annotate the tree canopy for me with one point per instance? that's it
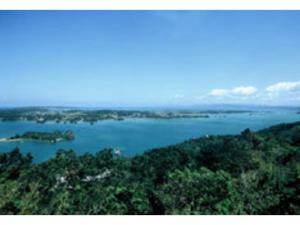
(251, 173)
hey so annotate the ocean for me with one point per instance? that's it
(134, 136)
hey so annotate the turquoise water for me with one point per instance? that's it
(134, 136)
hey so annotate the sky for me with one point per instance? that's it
(149, 58)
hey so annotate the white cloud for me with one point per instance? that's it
(238, 91)
(244, 90)
(283, 86)
(219, 92)
(282, 93)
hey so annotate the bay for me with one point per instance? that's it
(134, 136)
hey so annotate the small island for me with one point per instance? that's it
(51, 137)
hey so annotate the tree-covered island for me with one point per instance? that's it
(43, 114)
(52, 137)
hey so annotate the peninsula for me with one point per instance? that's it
(68, 115)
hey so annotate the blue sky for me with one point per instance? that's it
(149, 58)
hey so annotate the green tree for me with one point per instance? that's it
(200, 192)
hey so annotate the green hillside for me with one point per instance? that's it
(250, 173)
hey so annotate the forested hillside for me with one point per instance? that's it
(250, 173)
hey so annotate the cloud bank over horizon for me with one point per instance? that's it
(242, 90)
(275, 94)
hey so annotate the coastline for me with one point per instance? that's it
(5, 140)
(10, 140)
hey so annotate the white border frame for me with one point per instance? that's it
(150, 220)
(151, 4)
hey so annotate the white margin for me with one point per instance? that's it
(151, 4)
(150, 220)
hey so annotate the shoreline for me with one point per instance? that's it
(206, 116)
(10, 140)
(5, 140)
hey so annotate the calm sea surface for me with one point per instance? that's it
(133, 136)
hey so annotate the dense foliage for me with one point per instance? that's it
(251, 173)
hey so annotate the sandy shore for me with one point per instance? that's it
(10, 140)
(21, 139)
